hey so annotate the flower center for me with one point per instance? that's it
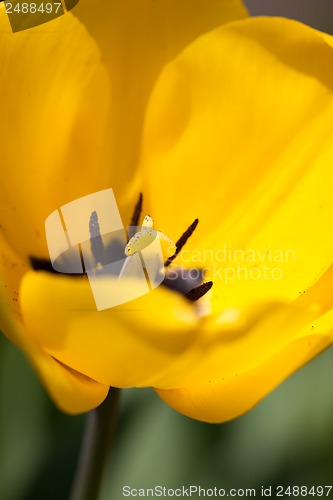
(189, 282)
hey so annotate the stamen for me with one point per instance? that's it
(96, 242)
(136, 216)
(199, 291)
(182, 241)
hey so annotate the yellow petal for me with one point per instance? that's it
(150, 34)
(227, 397)
(237, 341)
(138, 343)
(74, 118)
(65, 129)
(55, 93)
(155, 340)
(71, 391)
(137, 38)
(244, 365)
(240, 128)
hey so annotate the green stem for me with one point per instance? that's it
(96, 447)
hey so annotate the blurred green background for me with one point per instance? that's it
(286, 440)
(316, 13)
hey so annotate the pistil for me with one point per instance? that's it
(184, 280)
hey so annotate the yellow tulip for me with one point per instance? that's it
(212, 115)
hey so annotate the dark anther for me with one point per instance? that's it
(96, 242)
(136, 216)
(199, 291)
(182, 241)
(41, 265)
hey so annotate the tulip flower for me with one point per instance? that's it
(212, 115)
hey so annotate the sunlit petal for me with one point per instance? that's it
(247, 143)
(133, 344)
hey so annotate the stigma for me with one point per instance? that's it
(146, 236)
